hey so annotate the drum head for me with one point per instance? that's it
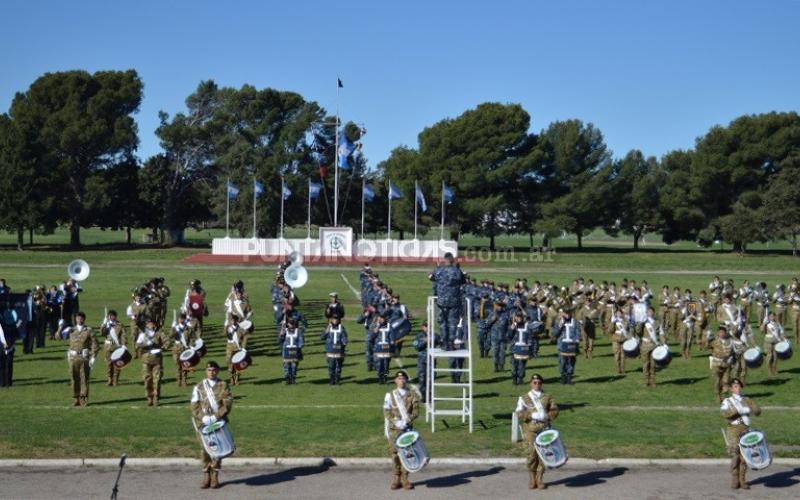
(661, 352)
(118, 353)
(752, 438)
(198, 345)
(783, 346)
(187, 354)
(239, 356)
(630, 344)
(752, 354)
(547, 437)
(407, 439)
(211, 428)
(246, 324)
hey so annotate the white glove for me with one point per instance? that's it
(91, 363)
(538, 415)
(207, 420)
(400, 423)
(149, 343)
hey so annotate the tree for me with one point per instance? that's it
(682, 218)
(742, 226)
(78, 124)
(633, 196)
(782, 202)
(113, 196)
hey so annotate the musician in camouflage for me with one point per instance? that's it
(400, 409)
(81, 356)
(737, 409)
(535, 410)
(211, 402)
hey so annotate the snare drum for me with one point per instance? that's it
(121, 357)
(412, 451)
(783, 349)
(189, 358)
(291, 354)
(521, 351)
(383, 350)
(336, 351)
(241, 360)
(550, 448)
(661, 356)
(246, 325)
(400, 327)
(753, 357)
(217, 440)
(631, 347)
(200, 347)
(755, 451)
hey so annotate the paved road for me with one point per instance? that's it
(439, 482)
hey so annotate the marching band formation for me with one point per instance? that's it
(512, 321)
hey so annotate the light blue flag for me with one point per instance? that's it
(258, 188)
(421, 199)
(313, 190)
(369, 193)
(233, 191)
(286, 192)
(345, 150)
(394, 192)
(449, 193)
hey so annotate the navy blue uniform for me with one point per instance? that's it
(498, 328)
(524, 346)
(448, 281)
(456, 344)
(569, 337)
(292, 342)
(421, 345)
(335, 341)
(366, 319)
(384, 350)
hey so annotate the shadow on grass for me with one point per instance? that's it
(684, 381)
(458, 479)
(598, 380)
(269, 381)
(44, 382)
(283, 476)
(772, 381)
(592, 478)
(26, 358)
(779, 479)
(793, 370)
(162, 401)
(760, 395)
(486, 395)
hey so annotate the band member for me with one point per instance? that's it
(194, 303)
(383, 347)
(421, 345)
(6, 358)
(366, 318)
(745, 299)
(794, 300)
(448, 279)
(137, 313)
(569, 338)
(524, 345)
(773, 334)
(334, 307)
(335, 337)
(456, 364)
(115, 337)
(761, 299)
(715, 289)
(400, 409)
(81, 356)
(721, 359)
(688, 317)
(779, 301)
(292, 341)
(590, 318)
(618, 337)
(498, 328)
(535, 409)
(211, 402)
(36, 327)
(675, 306)
(484, 311)
(71, 301)
(150, 343)
(705, 310)
(162, 292)
(184, 333)
(742, 340)
(649, 342)
(54, 311)
(233, 333)
(738, 410)
(237, 304)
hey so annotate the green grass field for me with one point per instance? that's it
(602, 415)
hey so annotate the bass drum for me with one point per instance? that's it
(412, 451)
(661, 356)
(755, 451)
(550, 448)
(217, 440)
(631, 347)
(121, 357)
(189, 358)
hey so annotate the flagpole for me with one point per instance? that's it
(283, 186)
(389, 224)
(227, 205)
(254, 207)
(308, 224)
(441, 235)
(416, 187)
(336, 164)
(363, 183)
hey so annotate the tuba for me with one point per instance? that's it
(78, 270)
(295, 275)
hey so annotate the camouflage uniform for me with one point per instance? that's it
(201, 407)
(738, 424)
(409, 399)
(82, 350)
(534, 421)
(150, 345)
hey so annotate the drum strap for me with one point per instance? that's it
(538, 406)
(401, 407)
(212, 401)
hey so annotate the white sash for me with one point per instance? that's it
(113, 334)
(538, 406)
(739, 409)
(212, 401)
(401, 407)
(291, 338)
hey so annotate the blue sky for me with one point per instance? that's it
(652, 75)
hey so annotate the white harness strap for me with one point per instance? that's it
(401, 407)
(212, 401)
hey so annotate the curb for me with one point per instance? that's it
(363, 462)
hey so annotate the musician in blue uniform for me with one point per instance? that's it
(276, 297)
(290, 313)
(457, 344)
(55, 301)
(524, 345)
(568, 337)
(498, 328)
(448, 279)
(383, 347)
(334, 307)
(398, 315)
(335, 337)
(482, 322)
(421, 345)
(292, 341)
(367, 319)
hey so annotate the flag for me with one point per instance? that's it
(394, 192)
(339, 83)
(233, 191)
(323, 171)
(421, 199)
(313, 190)
(369, 193)
(258, 187)
(345, 150)
(449, 193)
(286, 192)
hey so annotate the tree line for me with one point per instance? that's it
(68, 143)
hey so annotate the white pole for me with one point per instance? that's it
(308, 224)
(254, 207)
(363, 184)
(336, 164)
(227, 205)
(389, 225)
(283, 185)
(441, 236)
(415, 209)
